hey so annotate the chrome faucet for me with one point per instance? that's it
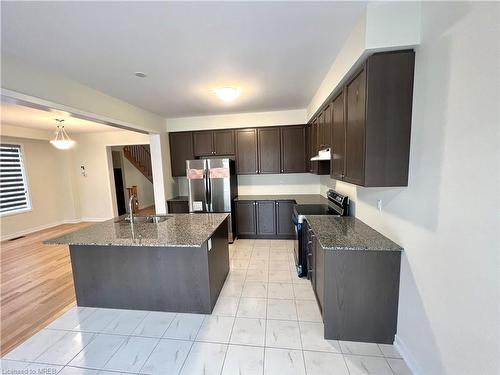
(131, 203)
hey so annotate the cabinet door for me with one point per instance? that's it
(319, 132)
(338, 138)
(355, 129)
(178, 207)
(319, 273)
(284, 214)
(203, 143)
(313, 147)
(224, 142)
(181, 149)
(266, 222)
(293, 149)
(246, 151)
(326, 127)
(245, 218)
(269, 150)
(308, 149)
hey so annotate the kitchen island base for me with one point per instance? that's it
(174, 279)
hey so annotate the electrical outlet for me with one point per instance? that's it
(379, 204)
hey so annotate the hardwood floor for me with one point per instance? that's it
(36, 284)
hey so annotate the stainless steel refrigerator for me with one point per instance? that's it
(212, 187)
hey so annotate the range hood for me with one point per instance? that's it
(324, 154)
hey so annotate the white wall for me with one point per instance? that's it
(384, 26)
(61, 92)
(237, 120)
(96, 192)
(49, 189)
(447, 219)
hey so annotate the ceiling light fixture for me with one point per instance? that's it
(228, 93)
(61, 141)
(140, 74)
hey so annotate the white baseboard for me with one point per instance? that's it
(27, 231)
(407, 356)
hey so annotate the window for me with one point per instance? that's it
(14, 197)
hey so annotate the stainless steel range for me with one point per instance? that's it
(338, 205)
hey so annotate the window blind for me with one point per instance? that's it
(13, 186)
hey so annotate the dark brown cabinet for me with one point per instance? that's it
(338, 138)
(203, 143)
(246, 151)
(315, 167)
(181, 149)
(266, 219)
(371, 122)
(217, 142)
(357, 291)
(324, 131)
(224, 142)
(355, 129)
(177, 206)
(293, 149)
(284, 214)
(246, 218)
(269, 150)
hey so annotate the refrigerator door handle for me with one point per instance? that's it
(208, 190)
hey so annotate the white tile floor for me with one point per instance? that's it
(266, 321)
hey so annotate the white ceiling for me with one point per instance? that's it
(277, 52)
(26, 117)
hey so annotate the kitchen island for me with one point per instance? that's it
(178, 265)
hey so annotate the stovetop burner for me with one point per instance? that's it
(312, 209)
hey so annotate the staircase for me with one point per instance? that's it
(140, 157)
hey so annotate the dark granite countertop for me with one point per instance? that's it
(179, 198)
(348, 233)
(180, 230)
(298, 198)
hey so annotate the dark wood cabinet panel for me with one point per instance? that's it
(223, 141)
(269, 150)
(284, 223)
(181, 149)
(361, 295)
(325, 123)
(319, 273)
(246, 151)
(178, 207)
(389, 93)
(266, 219)
(309, 167)
(246, 224)
(338, 138)
(355, 129)
(293, 149)
(203, 143)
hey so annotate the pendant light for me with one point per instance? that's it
(61, 141)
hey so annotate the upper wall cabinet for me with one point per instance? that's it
(264, 150)
(216, 142)
(293, 149)
(370, 122)
(269, 150)
(246, 151)
(378, 120)
(338, 138)
(181, 149)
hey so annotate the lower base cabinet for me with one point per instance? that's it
(264, 219)
(357, 292)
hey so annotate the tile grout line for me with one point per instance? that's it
(234, 322)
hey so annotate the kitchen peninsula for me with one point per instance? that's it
(178, 264)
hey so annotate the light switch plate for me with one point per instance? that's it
(209, 244)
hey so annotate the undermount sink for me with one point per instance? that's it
(155, 219)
